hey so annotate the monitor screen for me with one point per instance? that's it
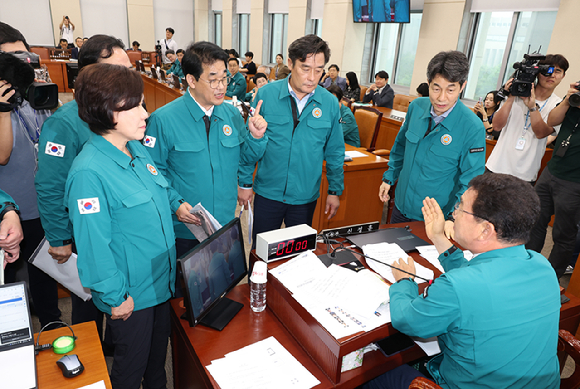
(381, 11)
(212, 269)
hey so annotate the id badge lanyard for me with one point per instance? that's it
(522, 139)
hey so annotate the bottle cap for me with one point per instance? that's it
(259, 273)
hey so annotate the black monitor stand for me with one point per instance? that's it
(220, 315)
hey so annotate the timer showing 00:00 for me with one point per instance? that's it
(288, 247)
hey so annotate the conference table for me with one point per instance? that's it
(88, 349)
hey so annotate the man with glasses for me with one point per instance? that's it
(197, 142)
(496, 316)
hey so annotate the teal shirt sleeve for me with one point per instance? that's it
(433, 313)
(5, 200)
(334, 157)
(396, 156)
(96, 264)
(159, 152)
(51, 177)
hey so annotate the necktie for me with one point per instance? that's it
(207, 124)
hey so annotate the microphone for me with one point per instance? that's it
(333, 254)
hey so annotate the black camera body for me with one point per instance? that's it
(525, 75)
(18, 69)
(574, 99)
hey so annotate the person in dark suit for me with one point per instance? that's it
(332, 78)
(74, 53)
(380, 93)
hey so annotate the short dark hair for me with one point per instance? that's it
(170, 51)
(556, 60)
(201, 53)
(62, 40)
(335, 90)
(78, 37)
(352, 80)
(135, 43)
(280, 55)
(102, 89)
(9, 34)
(98, 47)
(308, 45)
(423, 89)
(171, 30)
(233, 52)
(382, 74)
(180, 51)
(452, 65)
(334, 66)
(259, 75)
(233, 60)
(507, 202)
(249, 54)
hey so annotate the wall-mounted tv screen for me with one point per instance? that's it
(381, 11)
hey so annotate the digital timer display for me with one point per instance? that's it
(286, 248)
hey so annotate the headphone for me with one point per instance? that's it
(62, 344)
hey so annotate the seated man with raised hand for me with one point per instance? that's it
(496, 317)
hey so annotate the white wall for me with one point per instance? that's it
(177, 14)
(36, 26)
(105, 17)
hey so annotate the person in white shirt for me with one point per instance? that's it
(168, 44)
(522, 122)
(66, 28)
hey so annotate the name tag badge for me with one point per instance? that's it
(520, 143)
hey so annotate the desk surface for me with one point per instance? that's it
(88, 349)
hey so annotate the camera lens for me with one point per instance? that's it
(575, 100)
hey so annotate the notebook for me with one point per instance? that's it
(17, 360)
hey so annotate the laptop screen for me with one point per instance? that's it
(15, 325)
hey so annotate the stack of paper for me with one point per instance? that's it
(431, 254)
(342, 301)
(389, 253)
(264, 364)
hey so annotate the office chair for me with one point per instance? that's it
(401, 102)
(368, 121)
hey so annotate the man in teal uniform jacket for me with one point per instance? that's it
(62, 138)
(440, 147)
(497, 316)
(303, 131)
(237, 86)
(198, 143)
(10, 228)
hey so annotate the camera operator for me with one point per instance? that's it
(559, 187)
(19, 134)
(522, 122)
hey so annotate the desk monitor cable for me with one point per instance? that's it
(61, 345)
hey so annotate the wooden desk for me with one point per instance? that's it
(157, 93)
(88, 349)
(57, 71)
(359, 202)
(388, 130)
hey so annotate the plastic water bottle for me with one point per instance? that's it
(258, 286)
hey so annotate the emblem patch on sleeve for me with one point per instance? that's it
(90, 205)
(54, 149)
(149, 141)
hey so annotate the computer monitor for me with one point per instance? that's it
(209, 271)
(154, 73)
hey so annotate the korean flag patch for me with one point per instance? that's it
(90, 205)
(54, 149)
(149, 141)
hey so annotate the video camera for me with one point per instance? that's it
(574, 99)
(18, 69)
(525, 75)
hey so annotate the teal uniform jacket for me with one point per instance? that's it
(122, 223)
(237, 87)
(61, 140)
(6, 200)
(198, 169)
(496, 318)
(290, 169)
(176, 69)
(439, 165)
(349, 127)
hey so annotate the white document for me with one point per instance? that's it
(17, 368)
(67, 274)
(263, 365)
(354, 154)
(431, 254)
(209, 224)
(389, 253)
(96, 385)
(430, 346)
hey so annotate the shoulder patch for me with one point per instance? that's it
(54, 149)
(90, 205)
(149, 141)
(476, 150)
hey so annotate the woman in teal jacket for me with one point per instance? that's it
(119, 208)
(347, 120)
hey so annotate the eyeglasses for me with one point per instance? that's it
(213, 84)
(456, 208)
